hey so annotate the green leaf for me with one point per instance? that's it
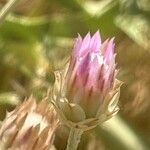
(98, 8)
(137, 27)
(144, 4)
(71, 5)
(24, 28)
(9, 98)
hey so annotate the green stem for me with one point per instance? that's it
(74, 139)
(7, 8)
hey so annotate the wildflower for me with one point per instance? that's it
(30, 126)
(89, 80)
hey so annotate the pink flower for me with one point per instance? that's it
(89, 80)
(93, 63)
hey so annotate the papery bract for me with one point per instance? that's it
(30, 126)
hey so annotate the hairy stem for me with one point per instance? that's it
(74, 139)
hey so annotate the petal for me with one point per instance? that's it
(109, 76)
(109, 51)
(104, 46)
(84, 65)
(94, 65)
(85, 44)
(77, 45)
(95, 42)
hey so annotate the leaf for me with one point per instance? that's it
(72, 5)
(99, 8)
(9, 98)
(136, 26)
(144, 4)
(24, 28)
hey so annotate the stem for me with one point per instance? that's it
(74, 139)
(121, 132)
(7, 8)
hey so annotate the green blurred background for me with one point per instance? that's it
(36, 38)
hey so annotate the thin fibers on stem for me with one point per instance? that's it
(6, 9)
(74, 139)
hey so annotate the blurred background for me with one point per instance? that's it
(36, 38)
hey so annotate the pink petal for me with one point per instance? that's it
(104, 46)
(94, 66)
(95, 42)
(85, 45)
(77, 45)
(83, 67)
(109, 52)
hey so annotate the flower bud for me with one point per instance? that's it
(30, 126)
(89, 80)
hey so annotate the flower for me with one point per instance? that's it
(29, 126)
(89, 79)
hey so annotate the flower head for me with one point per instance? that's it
(92, 64)
(89, 80)
(29, 126)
